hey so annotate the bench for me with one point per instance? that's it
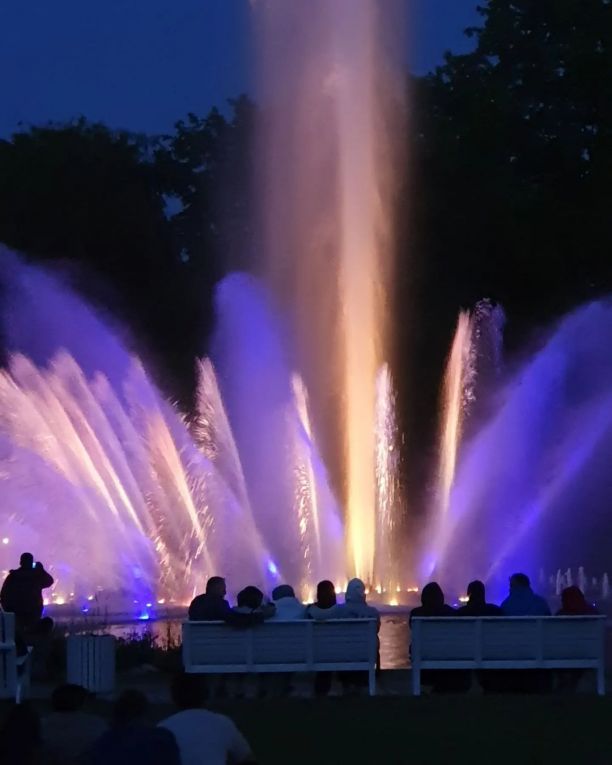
(336, 645)
(14, 670)
(508, 642)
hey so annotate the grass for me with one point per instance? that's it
(393, 731)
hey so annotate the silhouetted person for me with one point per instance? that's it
(573, 603)
(432, 603)
(203, 736)
(250, 609)
(132, 740)
(21, 741)
(69, 731)
(211, 606)
(325, 607)
(21, 592)
(355, 606)
(477, 605)
(522, 600)
(288, 607)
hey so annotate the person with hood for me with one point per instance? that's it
(21, 592)
(477, 604)
(211, 606)
(522, 600)
(356, 607)
(288, 607)
(432, 603)
(324, 608)
(573, 603)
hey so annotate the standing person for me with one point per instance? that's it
(522, 600)
(324, 608)
(21, 592)
(211, 606)
(203, 736)
(132, 739)
(477, 603)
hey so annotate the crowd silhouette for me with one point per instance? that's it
(72, 734)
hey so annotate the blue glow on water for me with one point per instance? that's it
(144, 616)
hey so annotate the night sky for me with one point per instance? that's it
(143, 64)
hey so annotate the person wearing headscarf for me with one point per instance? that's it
(573, 603)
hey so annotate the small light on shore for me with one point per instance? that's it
(5, 540)
(393, 602)
(463, 599)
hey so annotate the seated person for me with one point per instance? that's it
(288, 607)
(355, 605)
(432, 603)
(573, 603)
(69, 731)
(477, 605)
(201, 735)
(132, 738)
(211, 606)
(250, 609)
(522, 600)
(325, 606)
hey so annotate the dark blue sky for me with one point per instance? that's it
(143, 64)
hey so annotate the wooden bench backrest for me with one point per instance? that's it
(303, 644)
(508, 638)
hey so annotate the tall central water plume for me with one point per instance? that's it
(331, 96)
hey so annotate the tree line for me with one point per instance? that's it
(508, 196)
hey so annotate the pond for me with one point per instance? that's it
(394, 636)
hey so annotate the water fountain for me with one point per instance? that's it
(112, 485)
(531, 486)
